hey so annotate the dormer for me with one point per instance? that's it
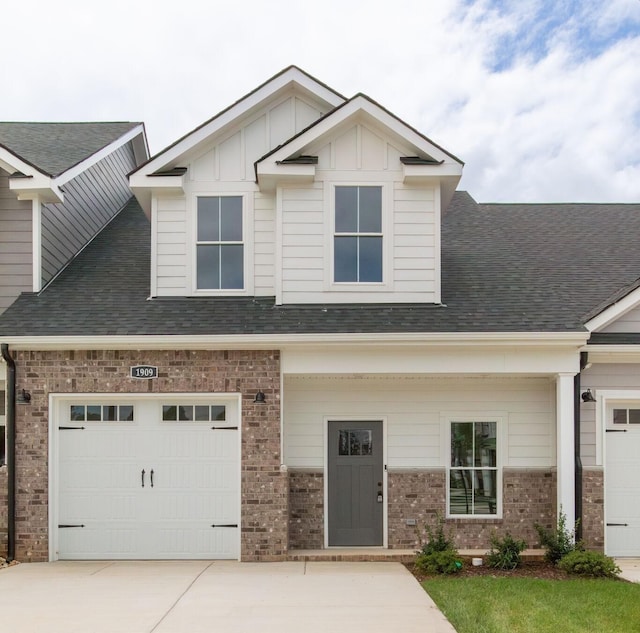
(298, 193)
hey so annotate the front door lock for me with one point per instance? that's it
(379, 497)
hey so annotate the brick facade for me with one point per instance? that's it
(264, 488)
(593, 508)
(306, 510)
(418, 496)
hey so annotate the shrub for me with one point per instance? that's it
(505, 552)
(589, 564)
(559, 541)
(437, 540)
(443, 562)
(437, 554)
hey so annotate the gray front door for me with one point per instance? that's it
(355, 500)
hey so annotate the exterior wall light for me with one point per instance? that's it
(23, 397)
(260, 397)
(587, 396)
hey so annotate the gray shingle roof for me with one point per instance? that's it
(506, 268)
(55, 147)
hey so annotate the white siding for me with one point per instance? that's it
(360, 155)
(629, 322)
(416, 410)
(16, 261)
(602, 376)
(264, 244)
(171, 266)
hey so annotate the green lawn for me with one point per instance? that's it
(519, 605)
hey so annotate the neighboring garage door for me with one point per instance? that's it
(148, 479)
(622, 481)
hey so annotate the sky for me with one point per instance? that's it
(539, 98)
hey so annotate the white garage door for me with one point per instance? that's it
(148, 479)
(622, 481)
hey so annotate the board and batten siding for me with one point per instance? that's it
(91, 199)
(609, 376)
(417, 410)
(16, 244)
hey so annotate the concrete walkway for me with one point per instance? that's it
(630, 568)
(198, 596)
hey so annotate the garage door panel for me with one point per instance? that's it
(622, 493)
(191, 482)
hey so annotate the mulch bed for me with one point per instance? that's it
(528, 569)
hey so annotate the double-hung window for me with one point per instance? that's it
(220, 246)
(357, 241)
(473, 469)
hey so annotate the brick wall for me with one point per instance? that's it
(529, 496)
(264, 487)
(418, 496)
(306, 510)
(593, 508)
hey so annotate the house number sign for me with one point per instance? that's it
(144, 371)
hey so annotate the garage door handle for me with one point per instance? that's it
(151, 473)
(617, 525)
(142, 477)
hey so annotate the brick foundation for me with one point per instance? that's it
(264, 487)
(306, 510)
(593, 508)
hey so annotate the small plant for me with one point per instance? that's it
(585, 563)
(437, 554)
(444, 562)
(437, 540)
(559, 541)
(505, 552)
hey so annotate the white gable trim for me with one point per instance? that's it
(614, 312)
(264, 92)
(32, 182)
(359, 104)
(82, 166)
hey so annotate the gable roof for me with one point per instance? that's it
(53, 148)
(285, 78)
(536, 268)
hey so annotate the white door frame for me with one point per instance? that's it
(56, 415)
(325, 441)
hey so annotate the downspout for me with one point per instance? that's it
(11, 451)
(584, 359)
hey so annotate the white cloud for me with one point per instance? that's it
(539, 98)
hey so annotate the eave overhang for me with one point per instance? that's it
(572, 340)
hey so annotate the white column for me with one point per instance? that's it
(565, 447)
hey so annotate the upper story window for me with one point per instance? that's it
(357, 248)
(220, 247)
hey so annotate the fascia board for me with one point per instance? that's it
(360, 104)
(414, 173)
(236, 111)
(82, 166)
(138, 181)
(614, 312)
(266, 341)
(11, 163)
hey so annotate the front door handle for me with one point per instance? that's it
(151, 473)
(142, 474)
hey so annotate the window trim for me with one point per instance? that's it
(386, 285)
(247, 244)
(499, 467)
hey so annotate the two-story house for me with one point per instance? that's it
(299, 336)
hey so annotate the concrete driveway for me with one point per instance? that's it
(194, 596)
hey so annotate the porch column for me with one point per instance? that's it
(565, 460)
